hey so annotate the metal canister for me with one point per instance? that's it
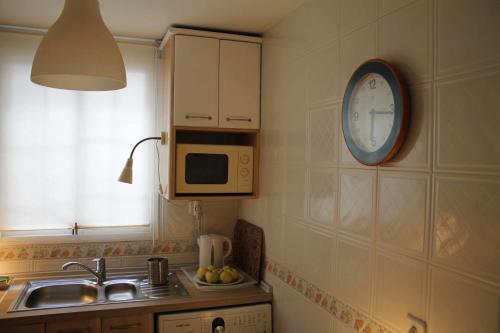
(157, 270)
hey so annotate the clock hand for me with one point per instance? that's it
(372, 125)
(373, 112)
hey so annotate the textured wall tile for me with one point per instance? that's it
(467, 124)
(466, 223)
(324, 17)
(461, 306)
(357, 47)
(293, 244)
(294, 116)
(323, 135)
(467, 35)
(356, 13)
(353, 274)
(323, 74)
(356, 202)
(399, 289)
(295, 191)
(405, 40)
(296, 30)
(273, 184)
(15, 266)
(386, 6)
(323, 196)
(273, 238)
(403, 210)
(319, 260)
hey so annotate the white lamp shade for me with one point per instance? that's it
(78, 52)
(127, 172)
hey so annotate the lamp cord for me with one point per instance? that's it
(158, 168)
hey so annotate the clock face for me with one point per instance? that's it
(371, 112)
(375, 112)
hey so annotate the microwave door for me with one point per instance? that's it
(206, 170)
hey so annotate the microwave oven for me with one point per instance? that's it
(213, 169)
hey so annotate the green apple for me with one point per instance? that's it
(226, 277)
(235, 274)
(200, 273)
(212, 277)
(211, 267)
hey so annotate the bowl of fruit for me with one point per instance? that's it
(211, 276)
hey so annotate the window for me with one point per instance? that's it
(61, 152)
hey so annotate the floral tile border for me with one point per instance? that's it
(107, 249)
(343, 312)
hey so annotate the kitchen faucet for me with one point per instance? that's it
(99, 273)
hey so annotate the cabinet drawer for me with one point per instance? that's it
(92, 325)
(129, 324)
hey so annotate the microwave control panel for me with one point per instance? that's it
(245, 169)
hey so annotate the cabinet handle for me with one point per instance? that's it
(239, 119)
(198, 116)
(125, 326)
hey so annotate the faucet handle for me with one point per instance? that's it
(100, 263)
(100, 267)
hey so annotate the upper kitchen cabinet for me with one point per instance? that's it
(215, 80)
(196, 81)
(239, 85)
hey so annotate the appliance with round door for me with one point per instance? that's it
(375, 112)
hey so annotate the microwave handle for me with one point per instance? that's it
(198, 116)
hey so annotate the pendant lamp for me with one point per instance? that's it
(78, 52)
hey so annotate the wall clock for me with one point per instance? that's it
(375, 112)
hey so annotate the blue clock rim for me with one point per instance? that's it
(377, 67)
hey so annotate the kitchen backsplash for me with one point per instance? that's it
(419, 234)
(175, 240)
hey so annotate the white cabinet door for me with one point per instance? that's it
(196, 81)
(239, 85)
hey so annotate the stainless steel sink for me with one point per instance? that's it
(81, 292)
(120, 291)
(62, 295)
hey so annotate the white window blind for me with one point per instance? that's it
(61, 152)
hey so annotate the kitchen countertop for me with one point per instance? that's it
(198, 300)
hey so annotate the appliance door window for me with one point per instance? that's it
(206, 168)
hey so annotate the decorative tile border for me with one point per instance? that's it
(88, 250)
(345, 313)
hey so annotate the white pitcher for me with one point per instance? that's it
(212, 250)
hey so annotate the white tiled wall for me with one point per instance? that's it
(419, 234)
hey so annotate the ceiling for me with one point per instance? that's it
(151, 18)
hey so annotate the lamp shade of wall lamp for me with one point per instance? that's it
(78, 52)
(127, 173)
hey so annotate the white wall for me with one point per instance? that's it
(420, 234)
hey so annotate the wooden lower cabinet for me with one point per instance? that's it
(130, 324)
(141, 323)
(32, 328)
(91, 325)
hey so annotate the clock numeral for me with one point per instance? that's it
(373, 142)
(355, 116)
(373, 84)
(391, 107)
